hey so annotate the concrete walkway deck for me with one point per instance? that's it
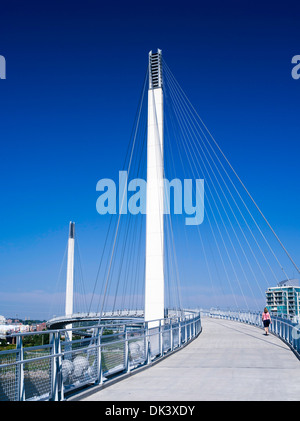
(229, 361)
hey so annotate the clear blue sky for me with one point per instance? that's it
(74, 75)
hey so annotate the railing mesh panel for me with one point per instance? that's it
(37, 374)
(9, 376)
(113, 354)
(80, 362)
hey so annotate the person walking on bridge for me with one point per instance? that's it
(266, 318)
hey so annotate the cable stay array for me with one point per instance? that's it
(228, 260)
(239, 253)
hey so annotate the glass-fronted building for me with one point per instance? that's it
(284, 299)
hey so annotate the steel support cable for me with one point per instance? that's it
(242, 231)
(228, 235)
(133, 263)
(176, 276)
(236, 217)
(172, 159)
(177, 299)
(114, 262)
(167, 280)
(111, 218)
(128, 226)
(100, 264)
(124, 260)
(132, 257)
(199, 234)
(136, 126)
(186, 113)
(240, 210)
(134, 294)
(216, 242)
(168, 141)
(174, 299)
(228, 202)
(168, 266)
(219, 230)
(228, 255)
(142, 292)
(129, 166)
(178, 143)
(129, 264)
(234, 249)
(242, 184)
(245, 207)
(81, 277)
(101, 260)
(133, 260)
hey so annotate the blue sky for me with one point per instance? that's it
(74, 76)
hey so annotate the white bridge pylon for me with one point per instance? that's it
(70, 271)
(154, 271)
(70, 276)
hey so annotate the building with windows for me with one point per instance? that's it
(284, 299)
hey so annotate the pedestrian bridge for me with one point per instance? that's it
(227, 361)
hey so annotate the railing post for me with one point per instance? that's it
(148, 348)
(147, 344)
(99, 380)
(54, 366)
(20, 371)
(179, 331)
(297, 338)
(60, 384)
(160, 339)
(127, 365)
(290, 335)
(284, 324)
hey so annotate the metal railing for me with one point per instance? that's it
(286, 329)
(90, 355)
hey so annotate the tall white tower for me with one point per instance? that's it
(70, 270)
(154, 276)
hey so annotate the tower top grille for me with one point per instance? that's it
(155, 70)
(72, 230)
